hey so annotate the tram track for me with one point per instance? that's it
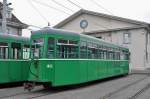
(19, 94)
(127, 86)
(16, 94)
(141, 91)
(30, 95)
(43, 92)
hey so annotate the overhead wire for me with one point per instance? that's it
(84, 17)
(63, 11)
(100, 6)
(34, 7)
(35, 26)
(75, 4)
(47, 5)
(56, 2)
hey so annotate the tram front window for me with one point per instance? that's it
(37, 48)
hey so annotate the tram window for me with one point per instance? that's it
(72, 42)
(105, 54)
(110, 55)
(122, 55)
(125, 56)
(62, 41)
(16, 51)
(50, 53)
(3, 50)
(101, 54)
(95, 50)
(90, 50)
(37, 47)
(26, 52)
(66, 50)
(83, 50)
(118, 55)
(113, 56)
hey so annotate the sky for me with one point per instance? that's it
(28, 10)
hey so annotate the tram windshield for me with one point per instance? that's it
(37, 48)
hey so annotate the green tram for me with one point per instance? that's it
(14, 55)
(65, 58)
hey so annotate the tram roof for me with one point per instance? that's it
(14, 38)
(57, 33)
(72, 35)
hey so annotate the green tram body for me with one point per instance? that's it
(64, 58)
(14, 55)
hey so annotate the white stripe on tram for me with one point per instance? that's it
(81, 59)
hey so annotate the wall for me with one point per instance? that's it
(137, 46)
(12, 30)
(94, 23)
(138, 36)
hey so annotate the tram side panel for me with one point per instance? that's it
(13, 71)
(67, 72)
(79, 71)
(4, 73)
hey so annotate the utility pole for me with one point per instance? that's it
(4, 19)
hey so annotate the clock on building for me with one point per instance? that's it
(83, 24)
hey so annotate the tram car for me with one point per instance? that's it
(14, 55)
(61, 58)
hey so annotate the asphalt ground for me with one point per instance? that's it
(133, 86)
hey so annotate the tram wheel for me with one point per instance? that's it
(47, 86)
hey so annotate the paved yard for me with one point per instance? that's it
(126, 87)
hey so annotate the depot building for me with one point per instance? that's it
(125, 32)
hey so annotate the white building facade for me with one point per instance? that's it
(14, 25)
(126, 32)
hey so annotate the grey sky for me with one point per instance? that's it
(133, 9)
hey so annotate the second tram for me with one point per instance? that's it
(64, 58)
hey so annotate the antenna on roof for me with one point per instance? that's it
(49, 24)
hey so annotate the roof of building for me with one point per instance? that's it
(14, 21)
(83, 11)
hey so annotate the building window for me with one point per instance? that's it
(8, 30)
(127, 38)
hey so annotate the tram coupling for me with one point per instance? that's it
(29, 86)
